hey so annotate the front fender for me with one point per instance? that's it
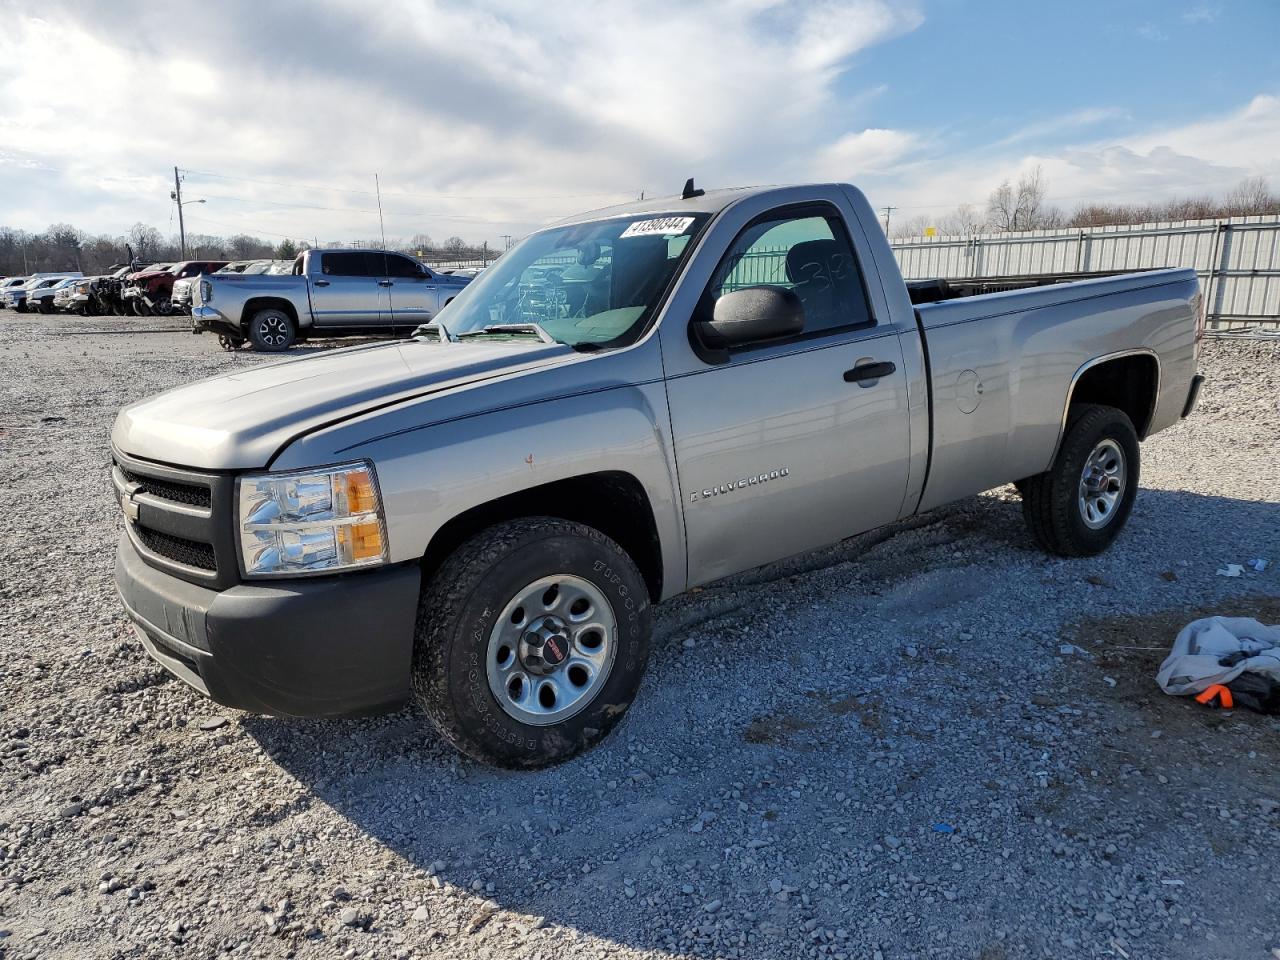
(431, 469)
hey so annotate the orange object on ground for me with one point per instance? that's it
(1216, 690)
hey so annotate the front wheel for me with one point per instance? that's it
(271, 331)
(531, 642)
(1080, 504)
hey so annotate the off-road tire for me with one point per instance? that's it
(457, 614)
(272, 331)
(1051, 500)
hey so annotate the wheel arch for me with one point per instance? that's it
(613, 502)
(254, 304)
(1128, 380)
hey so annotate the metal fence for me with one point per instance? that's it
(1237, 259)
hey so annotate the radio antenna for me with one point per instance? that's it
(386, 267)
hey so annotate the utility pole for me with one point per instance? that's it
(506, 240)
(887, 212)
(177, 195)
(485, 258)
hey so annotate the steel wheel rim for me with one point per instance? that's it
(1102, 484)
(273, 331)
(561, 609)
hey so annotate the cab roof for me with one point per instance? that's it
(712, 201)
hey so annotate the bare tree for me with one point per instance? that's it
(1250, 197)
(145, 240)
(914, 227)
(1021, 207)
(964, 221)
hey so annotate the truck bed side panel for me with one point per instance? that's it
(1003, 366)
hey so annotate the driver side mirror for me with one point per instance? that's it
(751, 315)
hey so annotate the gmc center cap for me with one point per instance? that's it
(546, 642)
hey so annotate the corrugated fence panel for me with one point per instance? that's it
(1237, 260)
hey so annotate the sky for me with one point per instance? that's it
(492, 117)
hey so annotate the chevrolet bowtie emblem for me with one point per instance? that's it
(127, 503)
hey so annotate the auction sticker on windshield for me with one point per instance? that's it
(663, 226)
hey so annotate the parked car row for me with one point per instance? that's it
(268, 304)
(34, 292)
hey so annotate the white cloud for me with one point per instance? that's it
(1204, 13)
(871, 151)
(1203, 157)
(453, 106)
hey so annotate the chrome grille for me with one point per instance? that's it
(188, 493)
(179, 520)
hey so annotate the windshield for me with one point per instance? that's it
(588, 285)
(259, 266)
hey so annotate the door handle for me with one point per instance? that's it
(320, 283)
(385, 283)
(869, 371)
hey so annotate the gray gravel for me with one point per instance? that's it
(930, 741)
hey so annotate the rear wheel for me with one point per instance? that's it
(271, 331)
(1079, 505)
(531, 642)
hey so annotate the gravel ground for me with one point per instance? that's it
(880, 750)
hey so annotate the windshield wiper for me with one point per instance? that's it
(498, 329)
(434, 327)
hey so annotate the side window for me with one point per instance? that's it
(809, 254)
(346, 265)
(403, 268)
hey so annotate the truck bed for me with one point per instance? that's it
(939, 289)
(1002, 364)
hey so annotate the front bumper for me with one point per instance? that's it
(310, 647)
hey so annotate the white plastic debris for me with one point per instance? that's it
(1194, 663)
(1230, 570)
(1258, 564)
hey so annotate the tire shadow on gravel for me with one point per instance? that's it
(558, 843)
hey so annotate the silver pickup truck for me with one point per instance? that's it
(328, 292)
(627, 404)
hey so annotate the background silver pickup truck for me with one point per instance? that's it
(328, 292)
(625, 405)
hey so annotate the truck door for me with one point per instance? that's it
(414, 292)
(349, 289)
(791, 444)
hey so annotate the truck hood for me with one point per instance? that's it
(241, 420)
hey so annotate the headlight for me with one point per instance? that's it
(310, 521)
(206, 291)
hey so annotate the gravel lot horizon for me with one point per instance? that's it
(928, 741)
